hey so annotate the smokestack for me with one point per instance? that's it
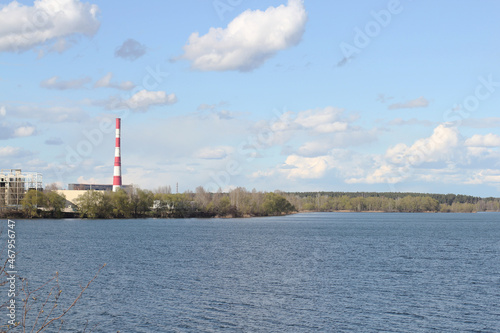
(117, 175)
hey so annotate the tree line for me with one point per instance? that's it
(145, 203)
(240, 202)
(392, 202)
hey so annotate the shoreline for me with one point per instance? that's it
(238, 217)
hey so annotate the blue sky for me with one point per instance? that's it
(290, 95)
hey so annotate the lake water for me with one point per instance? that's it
(319, 272)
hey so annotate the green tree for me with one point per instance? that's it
(32, 201)
(276, 204)
(224, 206)
(55, 203)
(94, 204)
(121, 205)
(141, 202)
(358, 204)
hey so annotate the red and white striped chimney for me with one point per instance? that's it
(117, 175)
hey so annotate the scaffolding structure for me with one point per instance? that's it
(14, 184)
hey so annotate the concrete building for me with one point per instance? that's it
(71, 196)
(14, 184)
(76, 190)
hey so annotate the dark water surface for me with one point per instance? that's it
(322, 272)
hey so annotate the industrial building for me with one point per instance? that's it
(14, 184)
(76, 190)
(88, 187)
(95, 187)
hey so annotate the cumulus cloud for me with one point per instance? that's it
(327, 120)
(130, 50)
(141, 101)
(3, 111)
(331, 127)
(443, 156)
(488, 140)
(10, 130)
(145, 99)
(305, 167)
(9, 151)
(486, 176)
(24, 131)
(438, 147)
(402, 161)
(55, 83)
(249, 40)
(420, 102)
(47, 21)
(105, 82)
(386, 173)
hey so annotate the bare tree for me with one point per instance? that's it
(52, 187)
(40, 309)
(164, 190)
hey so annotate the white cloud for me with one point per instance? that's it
(420, 102)
(486, 176)
(213, 153)
(249, 40)
(325, 120)
(140, 101)
(145, 99)
(488, 140)
(386, 173)
(438, 147)
(24, 27)
(443, 149)
(55, 83)
(315, 117)
(105, 82)
(329, 127)
(441, 157)
(306, 167)
(24, 131)
(313, 148)
(9, 151)
(3, 111)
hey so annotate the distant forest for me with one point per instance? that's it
(392, 202)
(240, 202)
